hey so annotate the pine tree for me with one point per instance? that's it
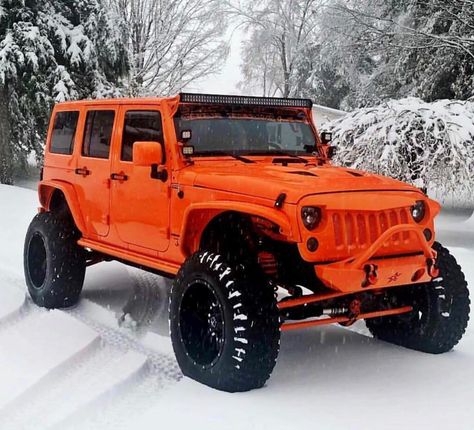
(50, 51)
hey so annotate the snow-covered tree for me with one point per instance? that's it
(50, 51)
(355, 53)
(260, 66)
(428, 144)
(172, 43)
(281, 36)
(400, 48)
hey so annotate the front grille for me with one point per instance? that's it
(358, 230)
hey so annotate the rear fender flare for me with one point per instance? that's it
(45, 192)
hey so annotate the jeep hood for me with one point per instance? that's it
(296, 181)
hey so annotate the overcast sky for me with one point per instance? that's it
(226, 81)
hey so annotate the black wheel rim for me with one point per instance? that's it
(201, 322)
(37, 262)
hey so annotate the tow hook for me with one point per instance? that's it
(371, 276)
(433, 269)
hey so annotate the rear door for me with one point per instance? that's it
(59, 162)
(140, 203)
(93, 168)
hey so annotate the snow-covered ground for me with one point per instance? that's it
(108, 363)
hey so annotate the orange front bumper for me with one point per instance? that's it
(363, 271)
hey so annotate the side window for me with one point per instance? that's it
(140, 126)
(98, 133)
(64, 131)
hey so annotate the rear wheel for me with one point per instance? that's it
(53, 262)
(440, 311)
(224, 324)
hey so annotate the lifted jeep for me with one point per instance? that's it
(235, 198)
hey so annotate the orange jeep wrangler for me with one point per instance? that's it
(236, 198)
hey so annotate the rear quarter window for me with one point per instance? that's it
(64, 131)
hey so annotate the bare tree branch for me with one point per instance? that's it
(172, 42)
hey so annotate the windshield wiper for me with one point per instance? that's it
(228, 154)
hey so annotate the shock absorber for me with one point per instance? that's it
(335, 312)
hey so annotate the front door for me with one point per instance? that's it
(92, 170)
(140, 204)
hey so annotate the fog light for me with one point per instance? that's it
(428, 234)
(312, 244)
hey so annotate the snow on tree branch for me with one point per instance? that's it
(428, 144)
(52, 51)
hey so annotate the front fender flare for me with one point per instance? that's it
(198, 215)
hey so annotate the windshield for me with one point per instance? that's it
(247, 136)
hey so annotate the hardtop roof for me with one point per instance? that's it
(117, 101)
(192, 98)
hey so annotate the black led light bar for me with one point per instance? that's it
(244, 100)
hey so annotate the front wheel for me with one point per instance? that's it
(440, 311)
(224, 324)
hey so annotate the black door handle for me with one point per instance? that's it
(84, 171)
(118, 177)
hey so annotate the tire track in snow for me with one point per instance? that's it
(25, 311)
(61, 389)
(119, 407)
(94, 386)
(64, 397)
(100, 320)
(150, 297)
(13, 315)
(139, 391)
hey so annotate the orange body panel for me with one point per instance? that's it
(125, 212)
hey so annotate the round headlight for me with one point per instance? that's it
(418, 211)
(311, 217)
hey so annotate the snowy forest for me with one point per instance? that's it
(342, 54)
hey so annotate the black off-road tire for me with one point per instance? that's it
(53, 262)
(224, 324)
(440, 315)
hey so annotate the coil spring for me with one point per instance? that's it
(268, 263)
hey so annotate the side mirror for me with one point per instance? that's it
(147, 154)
